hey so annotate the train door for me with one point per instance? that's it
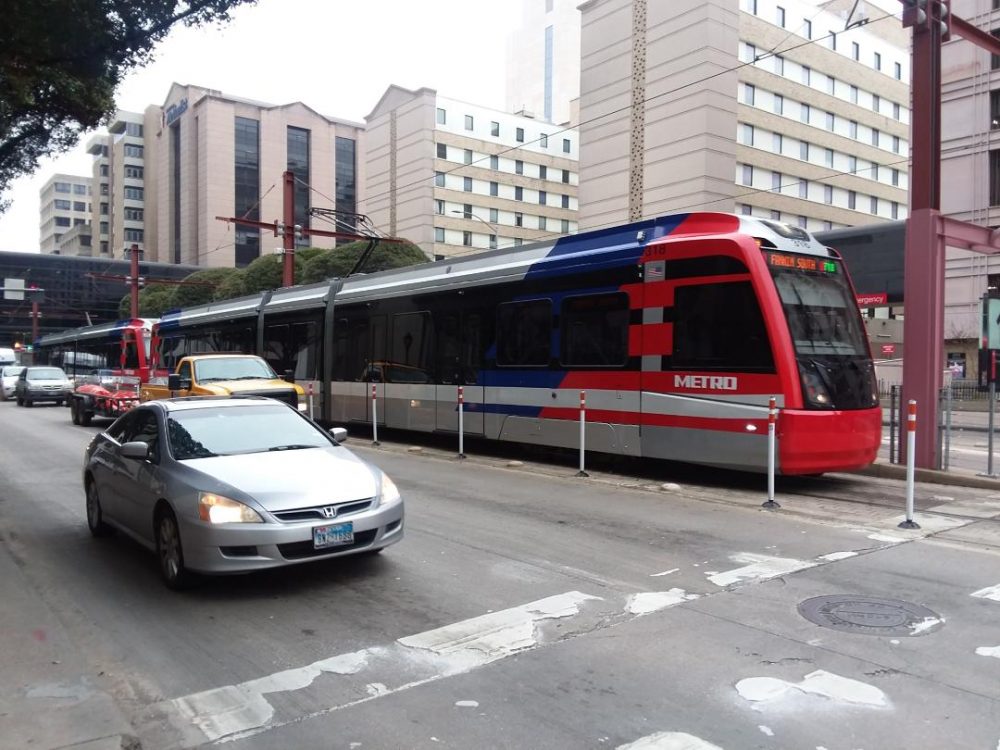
(408, 373)
(368, 349)
(460, 347)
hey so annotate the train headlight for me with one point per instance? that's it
(814, 388)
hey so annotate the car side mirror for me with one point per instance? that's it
(173, 381)
(289, 376)
(135, 449)
(339, 434)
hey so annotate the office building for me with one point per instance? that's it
(65, 203)
(118, 215)
(780, 109)
(543, 61)
(457, 178)
(209, 154)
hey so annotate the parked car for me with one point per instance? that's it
(36, 384)
(235, 484)
(8, 379)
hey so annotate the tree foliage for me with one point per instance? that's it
(154, 300)
(61, 60)
(232, 286)
(192, 295)
(340, 260)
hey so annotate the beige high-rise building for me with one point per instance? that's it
(209, 154)
(457, 178)
(781, 109)
(118, 210)
(64, 203)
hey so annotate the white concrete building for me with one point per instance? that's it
(64, 204)
(456, 178)
(119, 185)
(543, 60)
(684, 107)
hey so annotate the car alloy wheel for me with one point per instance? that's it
(169, 551)
(95, 517)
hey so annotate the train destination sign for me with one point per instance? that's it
(801, 263)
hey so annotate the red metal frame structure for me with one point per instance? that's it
(927, 231)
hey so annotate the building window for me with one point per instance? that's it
(62, 221)
(895, 110)
(831, 85)
(133, 171)
(133, 129)
(518, 219)
(855, 50)
(518, 242)
(852, 199)
(519, 135)
(104, 227)
(830, 121)
(748, 134)
(749, 93)
(747, 174)
(133, 193)
(874, 206)
(804, 189)
(104, 247)
(62, 187)
(442, 151)
(777, 143)
(133, 214)
(565, 226)
(442, 116)
(829, 157)
(852, 128)
(806, 75)
(746, 209)
(132, 150)
(495, 128)
(62, 205)
(81, 190)
(750, 53)
(494, 215)
(804, 150)
(565, 201)
(807, 29)
(104, 170)
(133, 235)
(246, 187)
(467, 239)
(493, 242)
(779, 104)
(543, 141)
(776, 215)
(776, 182)
(876, 103)
(345, 181)
(875, 172)
(779, 65)
(518, 166)
(467, 184)
(466, 210)
(298, 149)
(494, 188)
(780, 17)
(494, 162)
(542, 223)
(565, 176)
(519, 193)
(895, 177)
(543, 172)
(828, 194)
(467, 155)
(878, 61)
(852, 164)
(542, 197)
(104, 209)
(468, 122)
(566, 145)
(833, 40)
(439, 231)
(895, 144)
(439, 179)
(104, 191)
(439, 207)
(854, 94)
(804, 113)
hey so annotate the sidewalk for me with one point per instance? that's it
(972, 421)
(49, 698)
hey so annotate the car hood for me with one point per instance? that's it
(47, 381)
(284, 480)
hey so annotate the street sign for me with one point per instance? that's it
(991, 323)
(13, 289)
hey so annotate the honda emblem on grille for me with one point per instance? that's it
(329, 511)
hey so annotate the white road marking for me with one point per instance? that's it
(664, 573)
(988, 651)
(467, 704)
(820, 682)
(670, 741)
(833, 556)
(653, 601)
(237, 710)
(887, 538)
(761, 568)
(991, 592)
(928, 623)
(766, 730)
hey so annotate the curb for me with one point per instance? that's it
(932, 476)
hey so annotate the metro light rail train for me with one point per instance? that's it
(123, 347)
(679, 329)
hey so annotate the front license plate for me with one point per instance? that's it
(333, 536)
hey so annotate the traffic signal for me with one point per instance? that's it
(920, 14)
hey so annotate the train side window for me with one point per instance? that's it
(594, 330)
(411, 344)
(524, 333)
(720, 327)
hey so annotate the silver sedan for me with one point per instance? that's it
(227, 485)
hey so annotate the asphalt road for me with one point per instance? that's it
(524, 609)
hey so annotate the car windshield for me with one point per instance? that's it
(232, 368)
(226, 430)
(12, 372)
(46, 373)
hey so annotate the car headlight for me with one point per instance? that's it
(388, 492)
(220, 509)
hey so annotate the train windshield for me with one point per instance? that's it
(829, 339)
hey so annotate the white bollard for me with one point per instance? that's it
(583, 432)
(374, 415)
(772, 418)
(461, 425)
(309, 393)
(911, 463)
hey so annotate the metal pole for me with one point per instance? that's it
(772, 418)
(947, 428)
(940, 430)
(34, 323)
(288, 256)
(374, 416)
(133, 253)
(893, 391)
(991, 406)
(583, 436)
(461, 422)
(911, 462)
(309, 390)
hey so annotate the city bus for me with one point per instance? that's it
(678, 329)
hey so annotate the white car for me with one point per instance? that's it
(8, 379)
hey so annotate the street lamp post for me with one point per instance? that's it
(493, 229)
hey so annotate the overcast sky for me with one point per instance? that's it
(337, 56)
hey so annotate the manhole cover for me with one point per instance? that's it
(869, 615)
